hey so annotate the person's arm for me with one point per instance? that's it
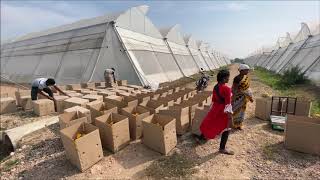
(58, 89)
(45, 95)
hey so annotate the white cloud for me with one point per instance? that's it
(233, 6)
(19, 20)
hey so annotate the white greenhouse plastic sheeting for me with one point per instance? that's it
(177, 45)
(81, 51)
(303, 52)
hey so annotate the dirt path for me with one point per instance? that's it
(259, 154)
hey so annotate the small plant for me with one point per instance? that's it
(294, 76)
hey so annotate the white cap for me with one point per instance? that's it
(243, 67)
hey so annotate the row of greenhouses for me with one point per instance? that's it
(302, 51)
(127, 41)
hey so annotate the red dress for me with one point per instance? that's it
(216, 120)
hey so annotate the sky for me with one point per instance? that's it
(235, 28)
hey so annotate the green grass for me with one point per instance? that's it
(9, 164)
(290, 84)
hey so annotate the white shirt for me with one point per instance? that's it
(40, 83)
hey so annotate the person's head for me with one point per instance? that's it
(223, 76)
(244, 69)
(50, 82)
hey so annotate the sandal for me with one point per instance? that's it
(224, 151)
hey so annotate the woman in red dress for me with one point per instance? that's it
(219, 118)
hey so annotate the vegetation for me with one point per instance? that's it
(237, 60)
(291, 83)
(9, 164)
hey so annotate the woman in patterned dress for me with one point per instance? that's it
(241, 96)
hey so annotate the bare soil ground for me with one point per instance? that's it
(260, 154)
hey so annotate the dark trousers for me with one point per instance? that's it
(224, 139)
(34, 92)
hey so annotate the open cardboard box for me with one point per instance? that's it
(201, 113)
(114, 131)
(85, 151)
(122, 82)
(192, 108)
(181, 114)
(143, 98)
(70, 118)
(99, 108)
(159, 133)
(166, 101)
(302, 134)
(92, 97)
(75, 101)
(153, 106)
(124, 102)
(135, 115)
(81, 110)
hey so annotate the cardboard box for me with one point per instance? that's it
(98, 108)
(153, 106)
(302, 134)
(81, 110)
(303, 107)
(114, 131)
(70, 118)
(124, 94)
(155, 96)
(181, 114)
(91, 97)
(263, 108)
(88, 85)
(125, 88)
(122, 82)
(74, 101)
(135, 115)
(131, 101)
(43, 107)
(201, 113)
(88, 92)
(135, 87)
(113, 97)
(192, 108)
(21, 93)
(85, 151)
(159, 133)
(167, 102)
(60, 103)
(125, 101)
(78, 95)
(8, 105)
(73, 87)
(143, 98)
(106, 93)
(26, 102)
